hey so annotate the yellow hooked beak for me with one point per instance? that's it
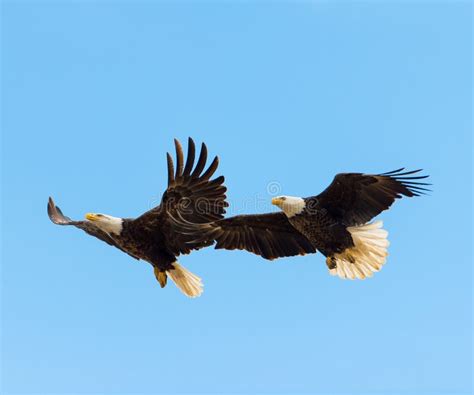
(277, 201)
(92, 217)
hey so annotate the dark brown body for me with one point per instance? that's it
(325, 233)
(148, 244)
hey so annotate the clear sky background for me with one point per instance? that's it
(287, 94)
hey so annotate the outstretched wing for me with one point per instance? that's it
(57, 217)
(355, 198)
(268, 235)
(191, 194)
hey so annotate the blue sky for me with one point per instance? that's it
(287, 94)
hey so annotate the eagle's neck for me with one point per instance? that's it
(293, 206)
(111, 225)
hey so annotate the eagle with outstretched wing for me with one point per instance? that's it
(154, 236)
(335, 222)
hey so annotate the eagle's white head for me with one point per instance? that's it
(291, 205)
(107, 223)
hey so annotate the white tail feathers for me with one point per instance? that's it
(189, 284)
(368, 254)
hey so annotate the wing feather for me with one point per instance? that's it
(201, 161)
(190, 158)
(355, 198)
(169, 160)
(268, 235)
(211, 169)
(179, 158)
(191, 194)
(57, 217)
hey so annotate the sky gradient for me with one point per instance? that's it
(288, 95)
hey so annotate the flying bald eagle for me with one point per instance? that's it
(153, 237)
(336, 222)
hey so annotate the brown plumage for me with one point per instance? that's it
(268, 235)
(153, 237)
(355, 198)
(334, 222)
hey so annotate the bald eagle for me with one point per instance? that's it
(153, 237)
(335, 222)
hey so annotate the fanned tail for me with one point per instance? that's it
(366, 257)
(189, 284)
